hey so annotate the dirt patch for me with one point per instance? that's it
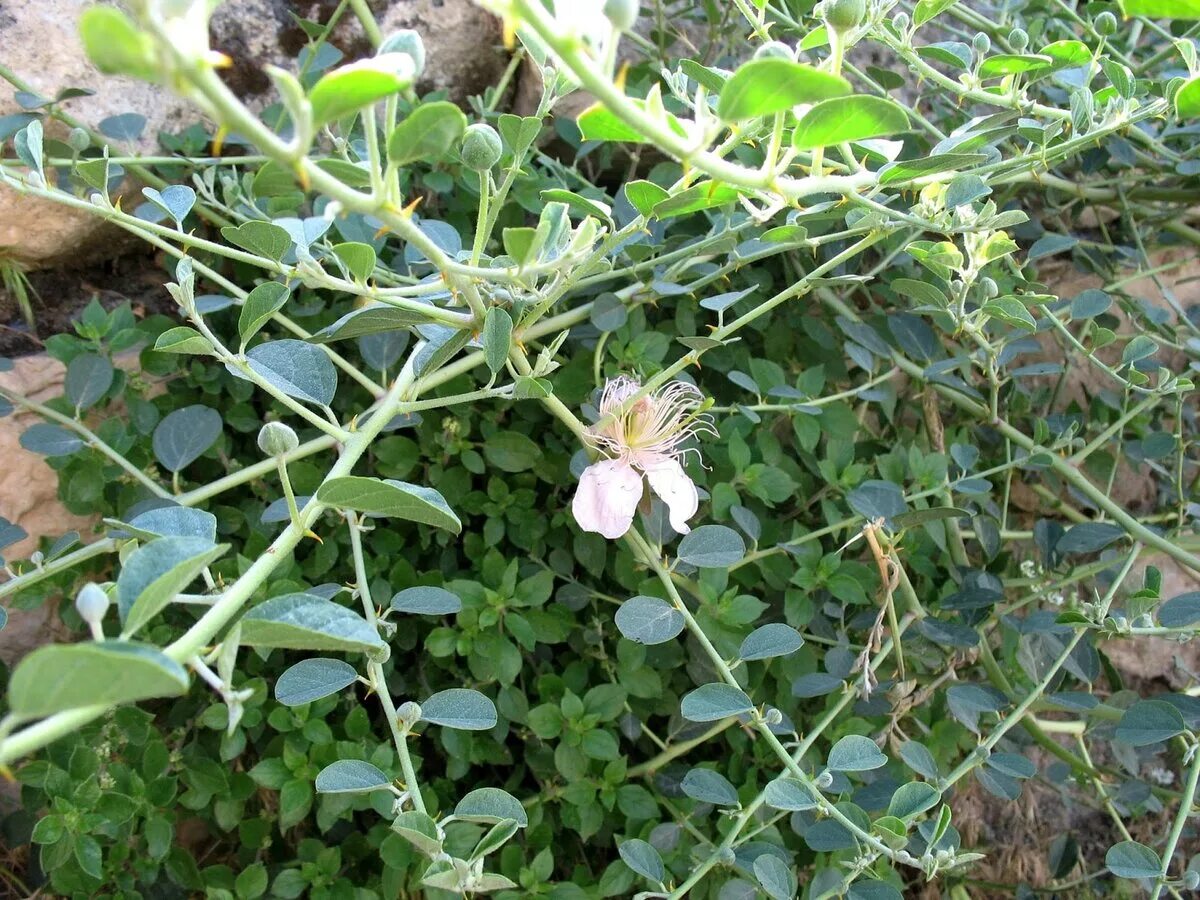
(58, 297)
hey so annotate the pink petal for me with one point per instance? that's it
(671, 483)
(607, 498)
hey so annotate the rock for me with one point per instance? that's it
(41, 45)
(29, 498)
(464, 48)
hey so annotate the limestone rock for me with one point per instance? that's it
(29, 498)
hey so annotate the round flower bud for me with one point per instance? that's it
(409, 713)
(825, 779)
(1019, 39)
(481, 147)
(842, 15)
(1106, 24)
(982, 43)
(79, 140)
(1191, 879)
(277, 439)
(409, 42)
(773, 717)
(622, 13)
(92, 603)
(774, 50)
(900, 20)
(989, 287)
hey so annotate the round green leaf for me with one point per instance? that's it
(1129, 859)
(762, 87)
(848, 119)
(855, 753)
(648, 620)
(711, 702)
(767, 641)
(643, 859)
(711, 547)
(312, 679)
(460, 708)
(426, 601)
(184, 434)
(351, 776)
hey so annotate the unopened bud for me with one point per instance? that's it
(1018, 39)
(982, 43)
(277, 439)
(1191, 879)
(842, 15)
(774, 50)
(481, 147)
(409, 713)
(622, 13)
(91, 603)
(773, 716)
(1106, 24)
(79, 140)
(408, 42)
(824, 780)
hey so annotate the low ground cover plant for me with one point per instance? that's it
(703, 490)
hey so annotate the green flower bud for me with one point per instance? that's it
(409, 713)
(989, 287)
(900, 20)
(481, 147)
(79, 140)
(91, 603)
(824, 780)
(1018, 39)
(1191, 879)
(982, 44)
(842, 15)
(277, 439)
(622, 13)
(1106, 24)
(409, 42)
(774, 50)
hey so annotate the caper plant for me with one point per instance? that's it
(786, 216)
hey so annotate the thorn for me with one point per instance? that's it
(412, 207)
(302, 176)
(218, 140)
(218, 60)
(7, 774)
(312, 534)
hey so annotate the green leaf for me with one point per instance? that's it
(50, 440)
(1013, 64)
(390, 499)
(377, 318)
(115, 45)
(427, 134)
(260, 304)
(312, 679)
(762, 87)
(349, 88)
(1180, 612)
(768, 641)
(928, 9)
(69, 676)
(497, 338)
(712, 547)
(848, 119)
(176, 200)
(706, 195)
(648, 620)
(184, 434)
(419, 830)
(915, 517)
(510, 451)
(1012, 311)
(426, 601)
(1129, 859)
(358, 258)
(597, 123)
(183, 339)
(1150, 722)
(308, 622)
(491, 805)
(155, 572)
(351, 776)
(583, 206)
(1089, 537)
(855, 753)
(912, 799)
(644, 196)
(789, 794)
(460, 708)
(297, 368)
(711, 702)
(1162, 9)
(89, 376)
(260, 238)
(775, 876)
(708, 786)
(643, 859)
